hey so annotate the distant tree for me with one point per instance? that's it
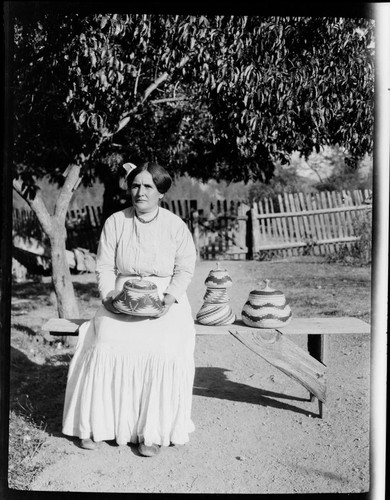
(243, 92)
(284, 180)
(345, 178)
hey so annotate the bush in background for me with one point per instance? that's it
(358, 253)
(343, 175)
(323, 171)
(285, 180)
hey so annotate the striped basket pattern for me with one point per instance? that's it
(267, 316)
(266, 308)
(216, 296)
(216, 314)
(218, 278)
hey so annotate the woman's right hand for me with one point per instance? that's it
(107, 302)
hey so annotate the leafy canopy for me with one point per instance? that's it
(280, 85)
(229, 95)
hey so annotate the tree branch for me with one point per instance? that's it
(125, 118)
(161, 79)
(37, 205)
(72, 180)
(315, 171)
(169, 99)
(136, 82)
(154, 85)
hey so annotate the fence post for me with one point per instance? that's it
(255, 229)
(195, 233)
(242, 226)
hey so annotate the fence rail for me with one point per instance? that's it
(312, 212)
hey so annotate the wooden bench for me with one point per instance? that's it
(308, 367)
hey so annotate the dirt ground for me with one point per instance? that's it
(256, 429)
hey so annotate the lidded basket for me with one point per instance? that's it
(266, 308)
(216, 310)
(218, 278)
(138, 298)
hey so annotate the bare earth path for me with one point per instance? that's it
(256, 430)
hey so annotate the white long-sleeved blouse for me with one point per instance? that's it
(163, 247)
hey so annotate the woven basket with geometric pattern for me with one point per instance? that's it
(138, 298)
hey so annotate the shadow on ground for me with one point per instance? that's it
(38, 292)
(38, 390)
(212, 382)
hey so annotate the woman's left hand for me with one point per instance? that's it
(167, 301)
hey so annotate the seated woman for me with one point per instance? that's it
(131, 377)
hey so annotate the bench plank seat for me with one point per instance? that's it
(63, 326)
(297, 326)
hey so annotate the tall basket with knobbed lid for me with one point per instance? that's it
(266, 308)
(216, 310)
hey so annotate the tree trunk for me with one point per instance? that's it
(67, 306)
(54, 227)
(61, 278)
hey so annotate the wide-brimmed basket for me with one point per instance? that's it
(138, 298)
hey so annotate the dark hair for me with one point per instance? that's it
(159, 175)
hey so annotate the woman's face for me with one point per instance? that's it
(144, 193)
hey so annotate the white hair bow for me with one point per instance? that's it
(129, 167)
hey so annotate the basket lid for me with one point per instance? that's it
(218, 270)
(218, 278)
(267, 290)
(139, 285)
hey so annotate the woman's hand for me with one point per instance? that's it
(107, 302)
(167, 301)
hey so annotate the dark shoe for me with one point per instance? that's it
(88, 444)
(149, 451)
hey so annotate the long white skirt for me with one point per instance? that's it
(131, 378)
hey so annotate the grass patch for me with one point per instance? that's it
(312, 286)
(26, 439)
(38, 374)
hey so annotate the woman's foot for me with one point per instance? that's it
(149, 451)
(88, 444)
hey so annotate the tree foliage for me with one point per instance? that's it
(233, 94)
(278, 85)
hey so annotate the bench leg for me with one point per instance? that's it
(317, 347)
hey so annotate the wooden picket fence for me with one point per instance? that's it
(286, 225)
(83, 227)
(316, 223)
